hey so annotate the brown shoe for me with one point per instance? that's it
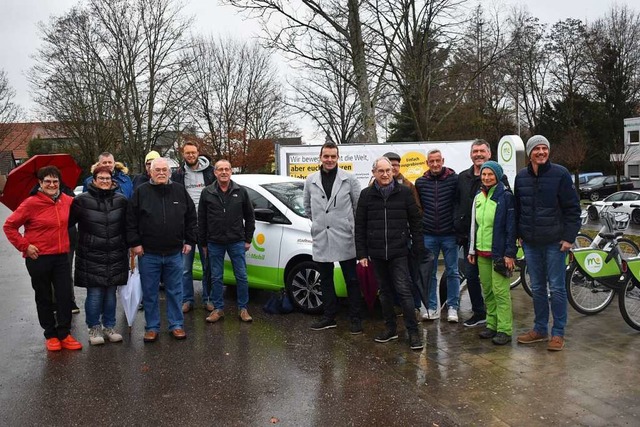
(209, 307)
(150, 336)
(556, 343)
(215, 316)
(186, 307)
(179, 334)
(531, 337)
(244, 315)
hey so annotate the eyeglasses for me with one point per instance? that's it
(51, 181)
(103, 178)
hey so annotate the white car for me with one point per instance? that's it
(280, 253)
(627, 198)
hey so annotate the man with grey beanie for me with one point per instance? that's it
(548, 220)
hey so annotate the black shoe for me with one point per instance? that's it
(324, 323)
(356, 326)
(501, 339)
(415, 342)
(487, 333)
(475, 320)
(386, 336)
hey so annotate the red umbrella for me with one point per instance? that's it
(22, 179)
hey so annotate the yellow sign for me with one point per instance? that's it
(413, 165)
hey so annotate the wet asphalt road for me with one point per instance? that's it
(278, 372)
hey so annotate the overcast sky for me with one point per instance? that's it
(19, 38)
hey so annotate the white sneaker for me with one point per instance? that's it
(452, 315)
(430, 315)
(95, 335)
(111, 335)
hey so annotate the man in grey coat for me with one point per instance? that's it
(330, 201)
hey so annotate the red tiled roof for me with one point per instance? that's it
(15, 137)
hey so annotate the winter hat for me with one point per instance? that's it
(495, 167)
(536, 140)
(392, 156)
(151, 155)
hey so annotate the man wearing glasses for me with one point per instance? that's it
(161, 228)
(195, 174)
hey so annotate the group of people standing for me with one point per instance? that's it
(393, 227)
(155, 218)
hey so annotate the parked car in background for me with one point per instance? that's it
(584, 177)
(625, 197)
(601, 186)
(280, 253)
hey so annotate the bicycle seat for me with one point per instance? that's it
(611, 236)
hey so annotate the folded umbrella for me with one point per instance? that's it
(368, 284)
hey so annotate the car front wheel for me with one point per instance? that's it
(594, 197)
(593, 213)
(635, 216)
(303, 286)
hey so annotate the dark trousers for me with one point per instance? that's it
(329, 298)
(473, 285)
(393, 275)
(46, 272)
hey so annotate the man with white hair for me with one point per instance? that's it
(387, 218)
(161, 227)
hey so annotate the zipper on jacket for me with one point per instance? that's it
(386, 230)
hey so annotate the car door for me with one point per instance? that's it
(609, 185)
(264, 253)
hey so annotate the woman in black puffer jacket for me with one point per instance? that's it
(101, 255)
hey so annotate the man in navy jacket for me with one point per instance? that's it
(548, 220)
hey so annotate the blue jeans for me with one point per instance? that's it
(187, 277)
(167, 269)
(101, 301)
(547, 263)
(449, 248)
(237, 254)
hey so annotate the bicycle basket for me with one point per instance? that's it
(620, 220)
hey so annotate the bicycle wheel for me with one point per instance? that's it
(526, 280)
(629, 301)
(582, 241)
(517, 273)
(627, 248)
(586, 296)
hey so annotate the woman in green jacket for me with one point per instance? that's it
(493, 246)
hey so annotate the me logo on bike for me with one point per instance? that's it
(593, 263)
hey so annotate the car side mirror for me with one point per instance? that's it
(264, 214)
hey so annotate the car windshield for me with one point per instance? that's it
(289, 193)
(596, 181)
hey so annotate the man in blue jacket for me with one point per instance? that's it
(548, 220)
(118, 173)
(437, 191)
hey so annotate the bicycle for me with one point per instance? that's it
(582, 241)
(595, 273)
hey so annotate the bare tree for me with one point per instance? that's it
(329, 100)
(125, 59)
(293, 27)
(235, 95)
(9, 111)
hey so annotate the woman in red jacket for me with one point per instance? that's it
(45, 245)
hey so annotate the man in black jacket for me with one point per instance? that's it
(386, 218)
(225, 225)
(161, 222)
(195, 174)
(468, 186)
